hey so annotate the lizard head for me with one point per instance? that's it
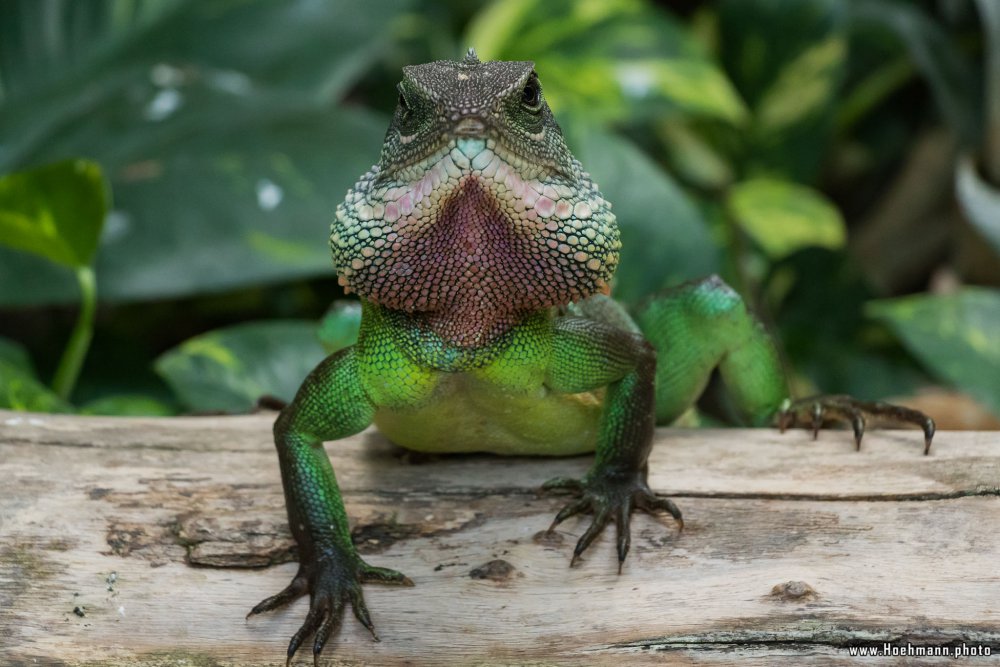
(476, 213)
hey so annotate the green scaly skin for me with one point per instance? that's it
(481, 251)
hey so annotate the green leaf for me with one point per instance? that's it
(694, 159)
(229, 369)
(697, 87)
(339, 327)
(783, 217)
(665, 239)
(13, 353)
(218, 126)
(20, 388)
(55, 211)
(954, 336)
(249, 205)
(609, 59)
(254, 209)
(803, 88)
(979, 200)
(128, 405)
(239, 46)
(295, 45)
(950, 75)
(787, 59)
(76, 34)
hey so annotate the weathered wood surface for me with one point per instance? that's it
(164, 532)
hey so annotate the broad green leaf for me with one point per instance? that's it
(760, 40)
(664, 236)
(783, 217)
(244, 206)
(254, 209)
(173, 109)
(55, 211)
(609, 59)
(128, 405)
(339, 327)
(13, 353)
(698, 87)
(195, 69)
(229, 369)
(42, 43)
(955, 336)
(693, 158)
(296, 45)
(979, 200)
(289, 44)
(21, 390)
(787, 60)
(804, 88)
(950, 75)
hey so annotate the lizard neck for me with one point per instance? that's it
(415, 334)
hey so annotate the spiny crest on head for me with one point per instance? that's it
(470, 57)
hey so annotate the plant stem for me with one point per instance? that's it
(79, 340)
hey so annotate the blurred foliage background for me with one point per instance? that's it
(169, 168)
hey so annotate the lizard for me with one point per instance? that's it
(482, 254)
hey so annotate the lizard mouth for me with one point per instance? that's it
(472, 245)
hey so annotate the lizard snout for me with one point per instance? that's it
(470, 126)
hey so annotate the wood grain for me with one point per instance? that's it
(163, 533)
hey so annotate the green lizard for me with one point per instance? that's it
(482, 251)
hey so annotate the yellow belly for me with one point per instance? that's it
(468, 414)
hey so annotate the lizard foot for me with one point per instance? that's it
(814, 410)
(331, 583)
(609, 496)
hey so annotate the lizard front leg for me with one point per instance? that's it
(331, 404)
(588, 354)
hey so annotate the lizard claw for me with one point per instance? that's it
(332, 584)
(610, 496)
(845, 408)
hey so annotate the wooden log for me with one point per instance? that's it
(146, 541)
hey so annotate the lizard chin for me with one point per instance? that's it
(470, 251)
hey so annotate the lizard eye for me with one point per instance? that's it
(531, 96)
(404, 106)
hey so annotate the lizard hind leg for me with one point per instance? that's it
(815, 410)
(701, 326)
(704, 325)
